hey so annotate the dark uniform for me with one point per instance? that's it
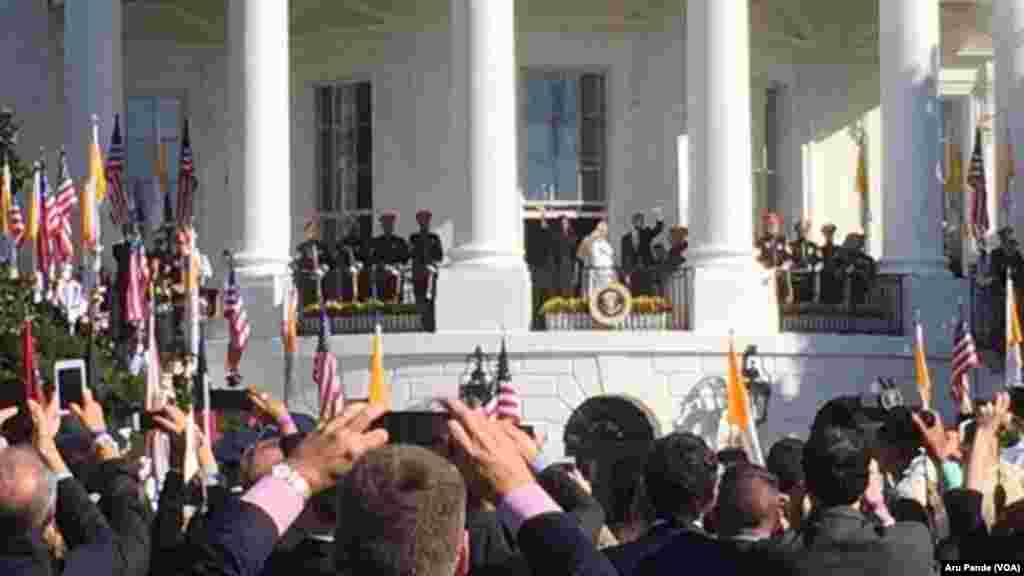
(388, 250)
(830, 275)
(350, 265)
(1003, 259)
(308, 281)
(860, 267)
(804, 255)
(427, 253)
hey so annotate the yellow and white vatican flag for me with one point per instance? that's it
(739, 408)
(922, 376)
(380, 390)
(1013, 336)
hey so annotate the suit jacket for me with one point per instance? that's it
(310, 557)
(128, 515)
(665, 548)
(843, 542)
(554, 544)
(641, 255)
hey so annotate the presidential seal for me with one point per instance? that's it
(610, 305)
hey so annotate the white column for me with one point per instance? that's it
(719, 124)
(729, 292)
(911, 114)
(490, 260)
(1008, 34)
(93, 82)
(260, 150)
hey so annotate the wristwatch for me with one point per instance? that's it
(293, 479)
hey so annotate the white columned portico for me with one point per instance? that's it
(487, 286)
(1008, 33)
(911, 114)
(93, 81)
(730, 290)
(258, 141)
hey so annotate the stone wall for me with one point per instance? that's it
(674, 374)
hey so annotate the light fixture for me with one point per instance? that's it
(760, 389)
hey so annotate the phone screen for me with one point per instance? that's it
(13, 395)
(230, 400)
(426, 429)
(70, 380)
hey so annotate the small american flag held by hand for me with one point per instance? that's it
(325, 374)
(965, 357)
(186, 179)
(238, 322)
(505, 405)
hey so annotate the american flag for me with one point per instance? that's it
(965, 357)
(58, 214)
(119, 202)
(505, 405)
(138, 280)
(325, 371)
(976, 181)
(186, 179)
(43, 260)
(16, 222)
(238, 322)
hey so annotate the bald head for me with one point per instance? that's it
(25, 499)
(748, 501)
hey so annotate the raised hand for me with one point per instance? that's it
(90, 412)
(324, 456)
(269, 409)
(487, 451)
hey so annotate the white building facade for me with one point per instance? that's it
(714, 110)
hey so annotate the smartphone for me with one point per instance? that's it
(223, 400)
(426, 429)
(69, 380)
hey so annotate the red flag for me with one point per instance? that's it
(28, 361)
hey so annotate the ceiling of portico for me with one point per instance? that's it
(836, 31)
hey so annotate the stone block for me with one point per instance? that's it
(570, 392)
(552, 410)
(676, 364)
(536, 386)
(588, 375)
(546, 366)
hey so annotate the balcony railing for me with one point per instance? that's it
(874, 307)
(357, 301)
(660, 299)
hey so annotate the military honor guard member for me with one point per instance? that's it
(389, 253)
(771, 246)
(427, 254)
(350, 260)
(830, 273)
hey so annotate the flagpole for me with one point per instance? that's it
(289, 357)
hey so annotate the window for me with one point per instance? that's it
(564, 138)
(151, 120)
(344, 157)
(769, 160)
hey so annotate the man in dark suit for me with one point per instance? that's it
(36, 489)
(840, 538)
(560, 260)
(680, 476)
(427, 254)
(388, 252)
(637, 256)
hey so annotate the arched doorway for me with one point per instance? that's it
(609, 436)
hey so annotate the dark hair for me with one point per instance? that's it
(836, 466)
(681, 474)
(899, 430)
(731, 456)
(785, 461)
(570, 496)
(748, 498)
(404, 510)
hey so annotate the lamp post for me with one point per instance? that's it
(478, 386)
(760, 389)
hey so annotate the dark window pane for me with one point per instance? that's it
(330, 231)
(325, 105)
(592, 139)
(364, 102)
(326, 170)
(592, 182)
(366, 190)
(592, 95)
(364, 145)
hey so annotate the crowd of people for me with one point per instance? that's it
(872, 490)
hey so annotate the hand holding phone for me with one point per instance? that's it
(426, 429)
(69, 383)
